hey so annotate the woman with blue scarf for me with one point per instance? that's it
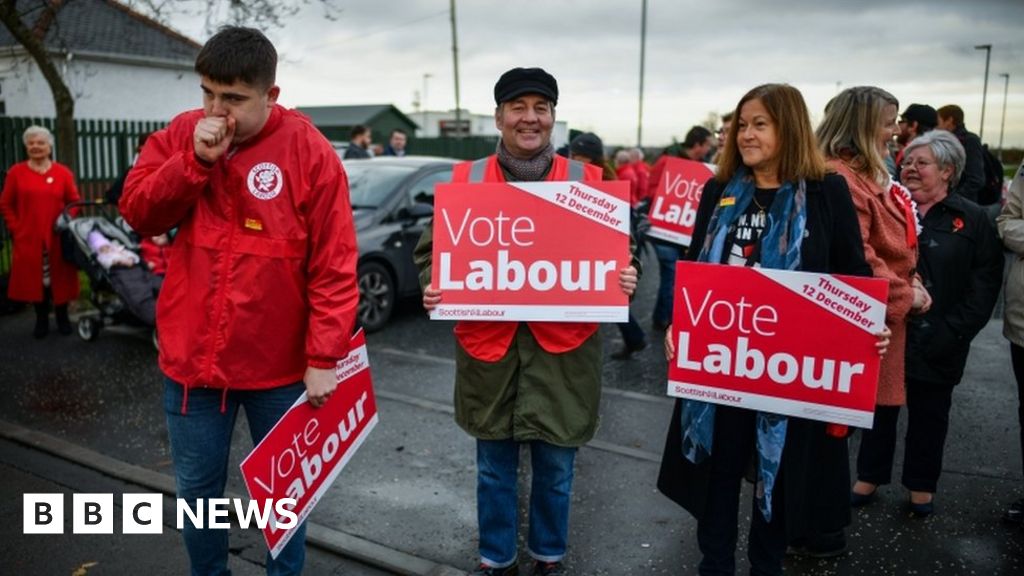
(771, 204)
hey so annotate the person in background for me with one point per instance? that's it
(624, 171)
(396, 143)
(854, 135)
(154, 253)
(961, 264)
(695, 147)
(260, 297)
(643, 172)
(1011, 229)
(722, 132)
(778, 189)
(951, 118)
(589, 149)
(916, 120)
(359, 143)
(113, 194)
(34, 195)
(524, 383)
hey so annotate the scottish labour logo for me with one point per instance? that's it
(265, 180)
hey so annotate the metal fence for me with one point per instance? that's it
(105, 151)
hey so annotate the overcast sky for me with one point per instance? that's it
(702, 56)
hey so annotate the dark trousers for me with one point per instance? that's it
(632, 334)
(928, 405)
(732, 451)
(877, 447)
(1017, 357)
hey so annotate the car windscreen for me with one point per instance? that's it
(370, 184)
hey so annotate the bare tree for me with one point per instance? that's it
(30, 21)
(29, 27)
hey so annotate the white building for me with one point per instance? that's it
(435, 123)
(117, 63)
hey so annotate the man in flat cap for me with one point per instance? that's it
(533, 383)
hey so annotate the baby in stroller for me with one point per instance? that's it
(137, 286)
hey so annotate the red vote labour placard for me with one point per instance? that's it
(306, 450)
(793, 343)
(531, 251)
(674, 204)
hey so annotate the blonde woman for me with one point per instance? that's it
(854, 135)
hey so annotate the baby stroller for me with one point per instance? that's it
(120, 295)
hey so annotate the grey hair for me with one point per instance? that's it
(946, 148)
(37, 130)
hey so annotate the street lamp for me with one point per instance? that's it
(643, 45)
(984, 93)
(423, 100)
(1002, 125)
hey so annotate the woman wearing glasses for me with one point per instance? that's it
(859, 123)
(961, 263)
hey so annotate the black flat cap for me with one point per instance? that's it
(519, 81)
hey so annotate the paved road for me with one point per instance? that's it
(411, 487)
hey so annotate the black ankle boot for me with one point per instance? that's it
(42, 320)
(63, 322)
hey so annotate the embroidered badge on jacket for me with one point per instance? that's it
(265, 180)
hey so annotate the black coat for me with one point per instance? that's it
(972, 181)
(961, 262)
(815, 469)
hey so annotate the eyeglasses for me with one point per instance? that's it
(916, 164)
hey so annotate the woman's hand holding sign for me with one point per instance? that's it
(883, 341)
(627, 281)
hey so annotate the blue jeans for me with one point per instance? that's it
(200, 446)
(668, 255)
(497, 463)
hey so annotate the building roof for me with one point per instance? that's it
(351, 115)
(106, 27)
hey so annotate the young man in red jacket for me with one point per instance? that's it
(260, 295)
(533, 383)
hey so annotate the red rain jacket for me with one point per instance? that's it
(262, 275)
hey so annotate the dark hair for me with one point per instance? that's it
(696, 135)
(399, 131)
(238, 53)
(952, 111)
(799, 157)
(358, 130)
(727, 117)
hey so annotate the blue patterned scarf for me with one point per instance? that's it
(780, 249)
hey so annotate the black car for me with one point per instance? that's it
(392, 199)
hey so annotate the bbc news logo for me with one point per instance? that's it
(143, 513)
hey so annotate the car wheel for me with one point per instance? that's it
(88, 329)
(376, 296)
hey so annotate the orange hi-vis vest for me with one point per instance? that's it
(489, 341)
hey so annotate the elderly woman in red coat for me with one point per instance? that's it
(35, 193)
